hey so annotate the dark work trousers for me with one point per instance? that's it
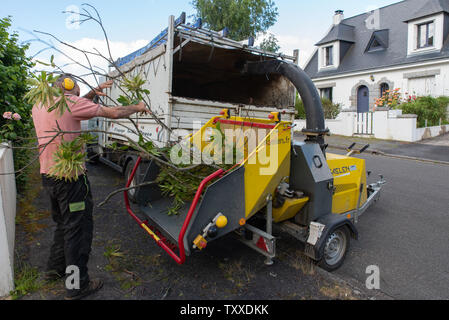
(71, 209)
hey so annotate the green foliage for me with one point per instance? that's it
(243, 18)
(331, 110)
(299, 105)
(183, 185)
(42, 93)
(14, 72)
(70, 158)
(270, 44)
(135, 91)
(26, 281)
(427, 108)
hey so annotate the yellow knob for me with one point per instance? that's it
(222, 222)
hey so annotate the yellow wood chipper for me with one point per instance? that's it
(296, 187)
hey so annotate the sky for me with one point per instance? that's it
(132, 24)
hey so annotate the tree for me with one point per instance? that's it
(270, 44)
(243, 18)
(15, 120)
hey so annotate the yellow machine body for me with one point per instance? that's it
(264, 146)
(266, 157)
(266, 167)
(349, 175)
(290, 209)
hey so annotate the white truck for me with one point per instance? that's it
(192, 75)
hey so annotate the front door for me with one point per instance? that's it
(363, 100)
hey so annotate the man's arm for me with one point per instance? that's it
(122, 112)
(98, 91)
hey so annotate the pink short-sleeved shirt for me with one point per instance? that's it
(81, 109)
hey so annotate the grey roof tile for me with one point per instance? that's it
(430, 7)
(342, 32)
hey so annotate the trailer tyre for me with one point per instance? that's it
(335, 249)
(129, 169)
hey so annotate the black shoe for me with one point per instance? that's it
(93, 287)
(53, 275)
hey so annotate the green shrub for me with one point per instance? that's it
(331, 110)
(427, 108)
(299, 105)
(15, 114)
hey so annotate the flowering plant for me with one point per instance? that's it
(410, 98)
(390, 99)
(10, 116)
(9, 128)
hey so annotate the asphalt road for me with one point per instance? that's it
(406, 233)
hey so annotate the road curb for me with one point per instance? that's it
(389, 155)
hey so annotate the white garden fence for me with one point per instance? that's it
(382, 124)
(7, 220)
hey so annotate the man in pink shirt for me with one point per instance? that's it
(71, 202)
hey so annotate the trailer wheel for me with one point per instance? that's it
(129, 169)
(335, 249)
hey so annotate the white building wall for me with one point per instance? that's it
(431, 78)
(386, 126)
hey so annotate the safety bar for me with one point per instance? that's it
(181, 258)
(246, 124)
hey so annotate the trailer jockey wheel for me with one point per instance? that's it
(335, 249)
(129, 169)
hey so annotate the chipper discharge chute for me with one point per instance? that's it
(293, 186)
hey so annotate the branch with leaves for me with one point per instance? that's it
(179, 182)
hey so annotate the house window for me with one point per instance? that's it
(384, 87)
(426, 35)
(327, 93)
(375, 45)
(328, 56)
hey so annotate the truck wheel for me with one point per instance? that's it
(129, 169)
(335, 249)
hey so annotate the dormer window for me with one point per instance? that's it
(328, 56)
(379, 41)
(333, 47)
(426, 35)
(375, 45)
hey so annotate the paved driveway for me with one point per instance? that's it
(438, 141)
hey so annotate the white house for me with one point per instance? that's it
(404, 45)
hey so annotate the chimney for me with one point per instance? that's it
(338, 17)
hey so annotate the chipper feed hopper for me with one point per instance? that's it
(294, 187)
